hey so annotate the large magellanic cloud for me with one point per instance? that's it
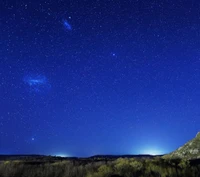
(37, 83)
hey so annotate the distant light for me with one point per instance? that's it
(61, 155)
(32, 139)
(152, 151)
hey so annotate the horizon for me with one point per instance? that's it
(66, 156)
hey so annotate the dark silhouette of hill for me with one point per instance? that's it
(96, 157)
(124, 156)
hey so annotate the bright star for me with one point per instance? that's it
(113, 54)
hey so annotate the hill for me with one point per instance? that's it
(191, 150)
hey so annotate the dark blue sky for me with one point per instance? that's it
(98, 77)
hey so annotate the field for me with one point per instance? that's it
(97, 166)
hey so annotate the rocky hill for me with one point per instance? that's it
(191, 150)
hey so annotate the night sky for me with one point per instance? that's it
(87, 77)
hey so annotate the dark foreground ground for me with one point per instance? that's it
(97, 166)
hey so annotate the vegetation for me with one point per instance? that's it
(122, 167)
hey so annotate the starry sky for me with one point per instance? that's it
(87, 77)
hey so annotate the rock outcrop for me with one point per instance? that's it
(191, 150)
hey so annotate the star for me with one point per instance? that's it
(114, 54)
